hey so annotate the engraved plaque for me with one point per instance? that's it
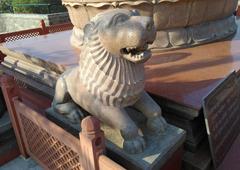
(222, 117)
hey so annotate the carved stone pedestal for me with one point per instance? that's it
(179, 23)
(159, 150)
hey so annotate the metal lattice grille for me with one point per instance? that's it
(47, 149)
(21, 36)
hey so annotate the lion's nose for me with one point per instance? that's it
(148, 33)
(148, 25)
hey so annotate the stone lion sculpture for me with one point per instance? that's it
(110, 76)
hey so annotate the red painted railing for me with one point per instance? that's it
(47, 143)
(13, 36)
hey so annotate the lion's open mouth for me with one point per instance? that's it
(136, 54)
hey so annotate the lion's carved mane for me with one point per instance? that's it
(112, 79)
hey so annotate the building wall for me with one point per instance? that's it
(17, 22)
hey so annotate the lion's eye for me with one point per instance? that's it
(121, 19)
(118, 19)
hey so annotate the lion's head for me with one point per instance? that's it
(115, 48)
(123, 33)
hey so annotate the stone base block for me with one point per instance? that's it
(160, 148)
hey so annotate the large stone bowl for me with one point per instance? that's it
(179, 23)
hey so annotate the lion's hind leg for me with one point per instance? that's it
(63, 103)
(118, 118)
(155, 121)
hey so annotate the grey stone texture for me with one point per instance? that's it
(17, 22)
(21, 164)
(110, 76)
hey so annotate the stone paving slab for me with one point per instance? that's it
(21, 164)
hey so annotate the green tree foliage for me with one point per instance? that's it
(5, 6)
(37, 6)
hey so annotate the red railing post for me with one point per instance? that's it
(9, 92)
(92, 143)
(2, 38)
(43, 26)
(2, 56)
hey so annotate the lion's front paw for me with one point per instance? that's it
(75, 116)
(157, 124)
(135, 145)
